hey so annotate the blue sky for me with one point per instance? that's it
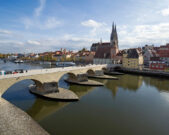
(48, 25)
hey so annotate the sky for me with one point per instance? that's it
(48, 25)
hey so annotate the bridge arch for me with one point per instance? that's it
(116, 68)
(72, 75)
(104, 68)
(91, 72)
(6, 84)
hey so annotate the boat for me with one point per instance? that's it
(2, 72)
(65, 64)
(45, 63)
(18, 61)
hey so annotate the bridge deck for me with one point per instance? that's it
(45, 71)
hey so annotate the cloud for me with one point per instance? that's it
(27, 22)
(68, 41)
(37, 22)
(51, 23)
(165, 12)
(5, 32)
(139, 35)
(33, 42)
(97, 28)
(92, 23)
(129, 37)
(12, 42)
(46, 24)
(39, 9)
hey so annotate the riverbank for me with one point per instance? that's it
(145, 72)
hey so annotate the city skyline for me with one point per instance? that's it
(43, 25)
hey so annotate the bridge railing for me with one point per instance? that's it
(45, 71)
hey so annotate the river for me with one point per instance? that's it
(132, 105)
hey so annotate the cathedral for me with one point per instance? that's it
(108, 52)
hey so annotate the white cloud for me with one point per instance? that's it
(39, 9)
(68, 41)
(5, 32)
(33, 42)
(139, 35)
(92, 23)
(35, 21)
(165, 12)
(11, 42)
(49, 23)
(98, 29)
(27, 22)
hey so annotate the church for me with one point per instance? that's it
(108, 52)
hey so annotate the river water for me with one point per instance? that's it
(132, 105)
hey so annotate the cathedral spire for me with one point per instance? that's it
(113, 27)
(116, 33)
(114, 36)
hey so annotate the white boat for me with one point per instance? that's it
(2, 72)
(18, 61)
(65, 64)
(45, 63)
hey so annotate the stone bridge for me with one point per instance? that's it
(15, 121)
(42, 76)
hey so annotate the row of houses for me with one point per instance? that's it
(156, 58)
(82, 56)
(149, 56)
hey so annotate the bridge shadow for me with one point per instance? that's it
(19, 95)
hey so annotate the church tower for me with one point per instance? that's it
(114, 37)
(114, 41)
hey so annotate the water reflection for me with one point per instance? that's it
(133, 83)
(43, 108)
(158, 83)
(81, 90)
(138, 109)
(127, 82)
